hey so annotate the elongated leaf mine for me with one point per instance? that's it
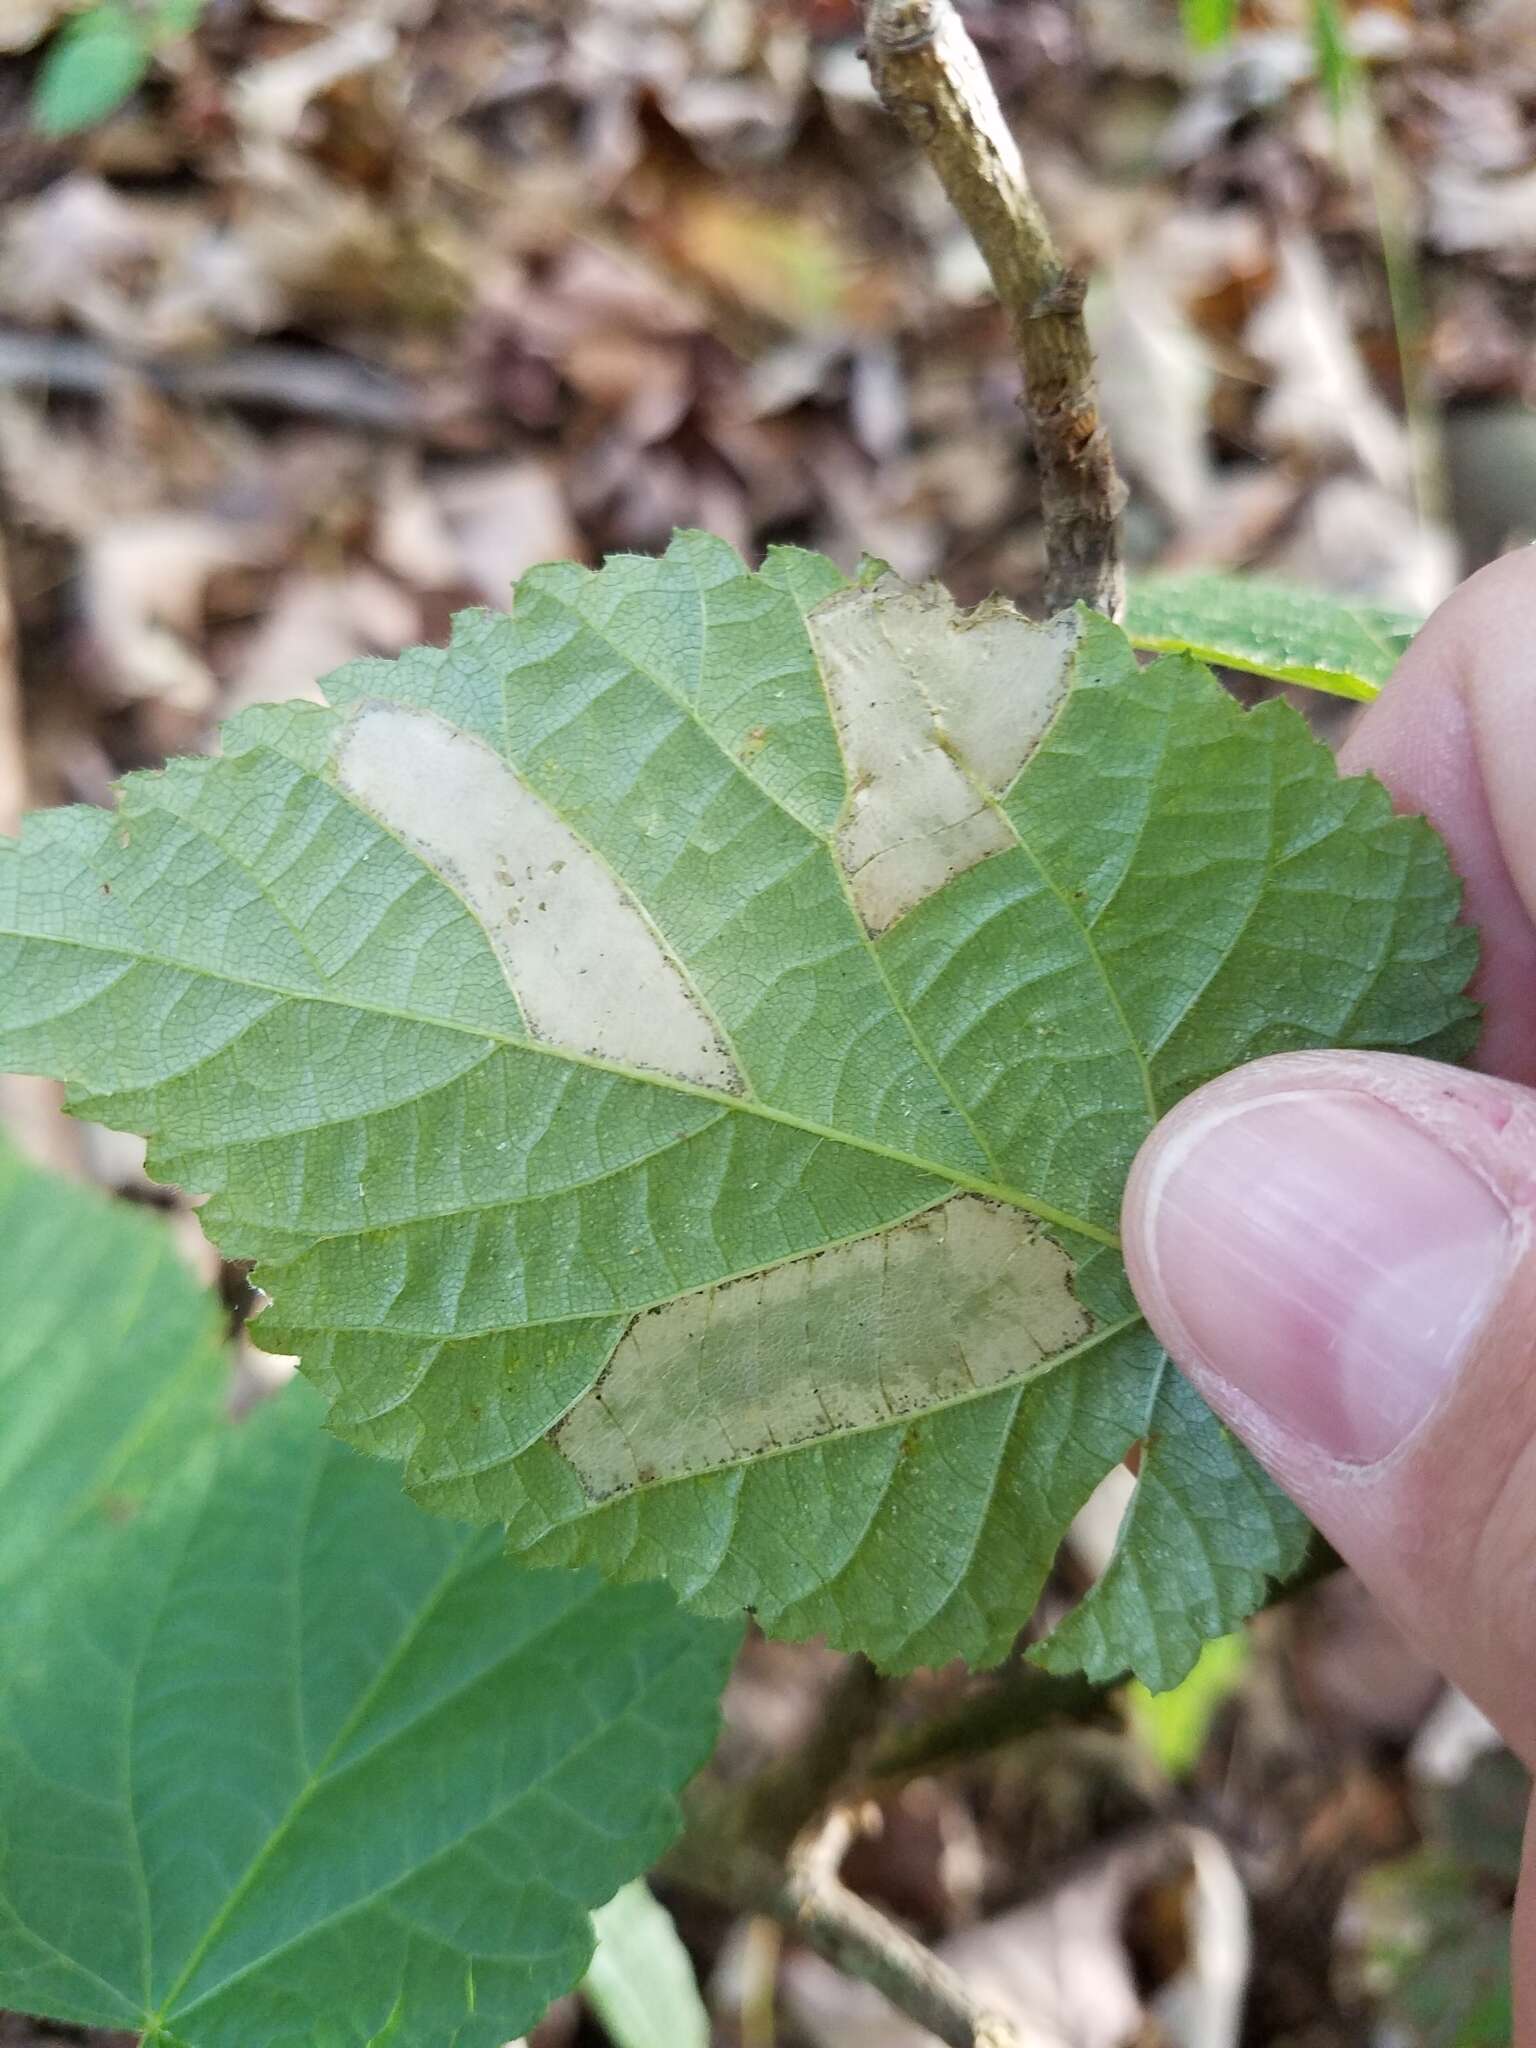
(962, 1297)
(588, 970)
(937, 710)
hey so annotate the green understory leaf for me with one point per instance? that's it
(93, 64)
(1435, 1926)
(641, 1983)
(1176, 1725)
(1337, 66)
(1438, 1953)
(281, 1759)
(110, 1358)
(1271, 629)
(1208, 23)
(677, 1053)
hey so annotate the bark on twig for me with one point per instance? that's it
(863, 1943)
(930, 76)
(807, 1897)
(774, 1845)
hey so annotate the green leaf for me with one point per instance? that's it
(282, 1759)
(92, 65)
(84, 1281)
(677, 1053)
(1209, 23)
(1337, 68)
(640, 1982)
(1271, 629)
(1434, 1927)
(1437, 1948)
(1176, 1725)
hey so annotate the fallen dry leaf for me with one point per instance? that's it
(1320, 404)
(317, 623)
(147, 274)
(270, 100)
(142, 586)
(1494, 216)
(504, 519)
(25, 22)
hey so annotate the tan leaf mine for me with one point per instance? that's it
(965, 1296)
(936, 710)
(588, 970)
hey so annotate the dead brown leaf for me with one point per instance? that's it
(317, 623)
(25, 22)
(505, 519)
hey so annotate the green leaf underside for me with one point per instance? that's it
(1270, 629)
(282, 1759)
(687, 1125)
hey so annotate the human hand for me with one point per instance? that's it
(1338, 1247)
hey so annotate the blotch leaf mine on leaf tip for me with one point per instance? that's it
(622, 1035)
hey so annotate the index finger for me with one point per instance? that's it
(1454, 735)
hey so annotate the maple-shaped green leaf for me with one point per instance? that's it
(1324, 642)
(283, 1760)
(110, 1357)
(677, 1053)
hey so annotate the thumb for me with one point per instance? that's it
(1337, 1247)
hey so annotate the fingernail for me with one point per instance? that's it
(1324, 1256)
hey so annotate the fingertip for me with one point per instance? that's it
(1337, 1248)
(1315, 1238)
(1453, 737)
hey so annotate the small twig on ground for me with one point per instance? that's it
(861, 1941)
(807, 1897)
(314, 383)
(774, 1846)
(930, 76)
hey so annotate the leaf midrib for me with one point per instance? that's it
(996, 802)
(690, 711)
(318, 1781)
(316, 1777)
(997, 1191)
